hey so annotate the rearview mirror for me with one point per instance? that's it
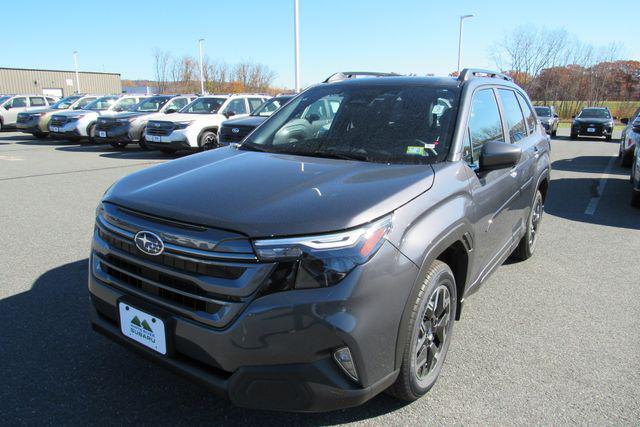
(499, 155)
(624, 121)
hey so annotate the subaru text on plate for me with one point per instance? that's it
(325, 259)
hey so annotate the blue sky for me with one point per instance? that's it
(418, 36)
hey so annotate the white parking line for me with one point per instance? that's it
(593, 203)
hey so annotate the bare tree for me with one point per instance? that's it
(161, 61)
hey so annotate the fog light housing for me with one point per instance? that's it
(343, 358)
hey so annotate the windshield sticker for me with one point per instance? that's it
(416, 151)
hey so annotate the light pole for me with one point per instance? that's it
(296, 30)
(201, 67)
(75, 61)
(462, 18)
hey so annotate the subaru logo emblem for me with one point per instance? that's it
(149, 243)
(157, 125)
(235, 130)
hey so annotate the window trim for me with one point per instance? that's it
(526, 125)
(492, 88)
(535, 116)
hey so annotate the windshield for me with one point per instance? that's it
(271, 105)
(151, 105)
(65, 103)
(543, 111)
(3, 98)
(594, 113)
(101, 103)
(385, 124)
(204, 106)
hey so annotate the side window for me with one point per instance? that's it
(528, 114)
(83, 102)
(513, 115)
(51, 100)
(237, 106)
(485, 124)
(177, 104)
(19, 102)
(126, 103)
(254, 103)
(37, 101)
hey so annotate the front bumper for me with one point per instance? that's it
(118, 133)
(598, 130)
(277, 353)
(31, 126)
(66, 131)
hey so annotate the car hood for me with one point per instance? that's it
(74, 113)
(182, 117)
(595, 121)
(128, 114)
(267, 194)
(253, 121)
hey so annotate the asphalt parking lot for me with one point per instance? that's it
(552, 340)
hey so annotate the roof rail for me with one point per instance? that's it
(343, 75)
(469, 73)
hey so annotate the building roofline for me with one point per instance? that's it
(59, 71)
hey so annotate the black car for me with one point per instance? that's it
(593, 121)
(325, 258)
(548, 118)
(235, 130)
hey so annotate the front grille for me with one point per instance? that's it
(58, 121)
(191, 277)
(228, 135)
(172, 261)
(160, 128)
(598, 128)
(106, 124)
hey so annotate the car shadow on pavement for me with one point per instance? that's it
(129, 153)
(56, 370)
(570, 197)
(589, 164)
(585, 138)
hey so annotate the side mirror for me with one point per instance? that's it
(229, 114)
(573, 117)
(171, 111)
(555, 116)
(624, 121)
(313, 118)
(7, 106)
(499, 155)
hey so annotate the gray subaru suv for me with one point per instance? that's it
(325, 259)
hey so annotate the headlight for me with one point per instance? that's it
(181, 125)
(74, 118)
(323, 260)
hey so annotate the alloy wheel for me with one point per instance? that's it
(534, 222)
(432, 333)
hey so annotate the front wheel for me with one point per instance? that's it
(40, 135)
(168, 151)
(527, 244)
(208, 141)
(608, 138)
(143, 141)
(428, 333)
(91, 134)
(118, 144)
(573, 136)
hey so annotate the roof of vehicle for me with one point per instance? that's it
(399, 81)
(595, 108)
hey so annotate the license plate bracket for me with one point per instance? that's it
(143, 327)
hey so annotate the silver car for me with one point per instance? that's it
(11, 105)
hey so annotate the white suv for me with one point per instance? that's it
(196, 125)
(11, 105)
(78, 124)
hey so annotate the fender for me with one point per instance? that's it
(461, 232)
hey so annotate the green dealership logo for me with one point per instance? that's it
(144, 325)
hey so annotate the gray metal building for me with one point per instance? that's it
(56, 82)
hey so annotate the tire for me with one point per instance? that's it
(573, 136)
(625, 160)
(143, 141)
(527, 245)
(91, 133)
(554, 133)
(208, 140)
(40, 135)
(635, 198)
(413, 382)
(168, 150)
(608, 138)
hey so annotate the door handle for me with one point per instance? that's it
(536, 150)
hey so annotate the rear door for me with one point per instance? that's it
(523, 135)
(494, 192)
(15, 106)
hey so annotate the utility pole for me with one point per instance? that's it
(201, 67)
(296, 30)
(75, 61)
(462, 18)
